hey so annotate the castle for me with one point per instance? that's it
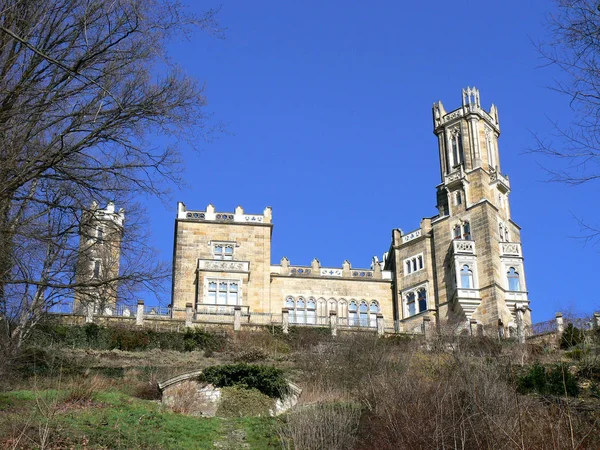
(464, 265)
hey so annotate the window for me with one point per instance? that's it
(311, 311)
(410, 303)
(466, 231)
(514, 283)
(223, 292)
(100, 234)
(422, 299)
(413, 264)
(223, 251)
(415, 301)
(456, 147)
(458, 198)
(97, 264)
(352, 315)
(462, 231)
(291, 306)
(373, 311)
(466, 277)
(300, 310)
(490, 148)
(456, 232)
(364, 314)
(503, 231)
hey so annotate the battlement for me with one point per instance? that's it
(211, 215)
(106, 214)
(315, 270)
(471, 104)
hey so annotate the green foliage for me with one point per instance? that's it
(556, 380)
(125, 338)
(571, 337)
(267, 379)
(124, 423)
(239, 401)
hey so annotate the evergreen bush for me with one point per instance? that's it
(557, 380)
(267, 379)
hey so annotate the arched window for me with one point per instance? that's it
(456, 144)
(291, 306)
(490, 148)
(300, 311)
(466, 277)
(311, 311)
(343, 311)
(514, 283)
(332, 306)
(466, 231)
(352, 313)
(457, 198)
(506, 235)
(410, 304)
(501, 230)
(456, 232)
(364, 314)
(322, 308)
(222, 294)
(422, 299)
(373, 310)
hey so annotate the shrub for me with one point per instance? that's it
(238, 401)
(331, 426)
(267, 379)
(197, 339)
(554, 381)
(250, 355)
(571, 337)
(84, 389)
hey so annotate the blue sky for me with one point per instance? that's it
(328, 113)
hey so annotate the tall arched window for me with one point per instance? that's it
(466, 277)
(422, 299)
(364, 314)
(300, 310)
(456, 145)
(291, 306)
(410, 304)
(466, 231)
(311, 311)
(373, 310)
(456, 232)
(514, 283)
(352, 313)
(322, 308)
(343, 311)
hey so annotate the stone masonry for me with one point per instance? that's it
(463, 267)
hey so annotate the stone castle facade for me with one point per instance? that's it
(461, 266)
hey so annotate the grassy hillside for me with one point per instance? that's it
(92, 387)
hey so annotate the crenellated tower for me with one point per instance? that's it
(474, 235)
(97, 271)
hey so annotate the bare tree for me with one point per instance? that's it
(84, 86)
(574, 48)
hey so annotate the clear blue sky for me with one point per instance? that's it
(328, 112)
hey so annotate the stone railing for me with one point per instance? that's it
(510, 249)
(330, 272)
(501, 180)
(462, 246)
(223, 266)
(455, 176)
(410, 236)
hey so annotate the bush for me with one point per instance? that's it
(267, 379)
(248, 355)
(571, 337)
(554, 381)
(331, 426)
(238, 401)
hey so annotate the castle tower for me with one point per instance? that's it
(100, 235)
(477, 246)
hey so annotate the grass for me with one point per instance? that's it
(116, 420)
